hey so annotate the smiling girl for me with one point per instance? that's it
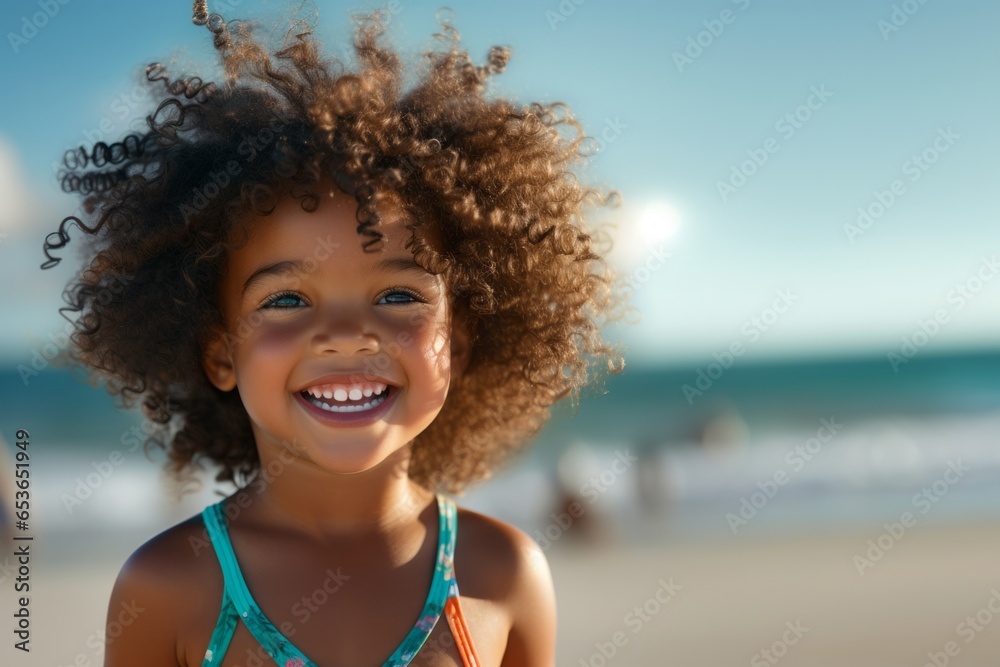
(353, 299)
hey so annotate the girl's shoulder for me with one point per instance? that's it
(499, 562)
(493, 554)
(166, 583)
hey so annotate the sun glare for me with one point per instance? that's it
(658, 222)
(646, 227)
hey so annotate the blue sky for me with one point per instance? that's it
(684, 96)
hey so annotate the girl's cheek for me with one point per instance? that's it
(415, 330)
(268, 341)
(278, 334)
(419, 320)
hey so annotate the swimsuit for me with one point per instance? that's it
(238, 605)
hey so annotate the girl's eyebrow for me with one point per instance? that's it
(291, 266)
(397, 264)
(282, 268)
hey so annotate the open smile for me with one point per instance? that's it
(341, 401)
(349, 412)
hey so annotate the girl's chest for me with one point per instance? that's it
(336, 626)
(340, 606)
(370, 646)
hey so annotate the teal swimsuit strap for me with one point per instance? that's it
(223, 634)
(238, 604)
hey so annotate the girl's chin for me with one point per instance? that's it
(346, 456)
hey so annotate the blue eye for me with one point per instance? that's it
(413, 297)
(279, 297)
(285, 300)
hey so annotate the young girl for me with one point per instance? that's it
(350, 299)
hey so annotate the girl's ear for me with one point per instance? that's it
(461, 343)
(217, 361)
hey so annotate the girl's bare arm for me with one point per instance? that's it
(155, 591)
(532, 638)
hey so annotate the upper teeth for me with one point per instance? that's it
(343, 392)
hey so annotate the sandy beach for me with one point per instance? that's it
(793, 600)
(734, 600)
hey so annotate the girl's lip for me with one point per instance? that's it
(353, 419)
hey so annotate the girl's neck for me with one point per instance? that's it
(330, 506)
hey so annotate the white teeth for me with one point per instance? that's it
(343, 392)
(350, 408)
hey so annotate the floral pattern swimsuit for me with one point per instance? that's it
(238, 605)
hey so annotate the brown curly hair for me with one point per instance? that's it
(494, 177)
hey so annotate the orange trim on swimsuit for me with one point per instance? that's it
(459, 629)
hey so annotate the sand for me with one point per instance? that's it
(719, 602)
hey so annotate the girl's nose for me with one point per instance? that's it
(338, 335)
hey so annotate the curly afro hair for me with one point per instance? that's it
(493, 177)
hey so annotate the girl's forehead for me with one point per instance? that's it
(289, 224)
(334, 222)
(325, 239)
